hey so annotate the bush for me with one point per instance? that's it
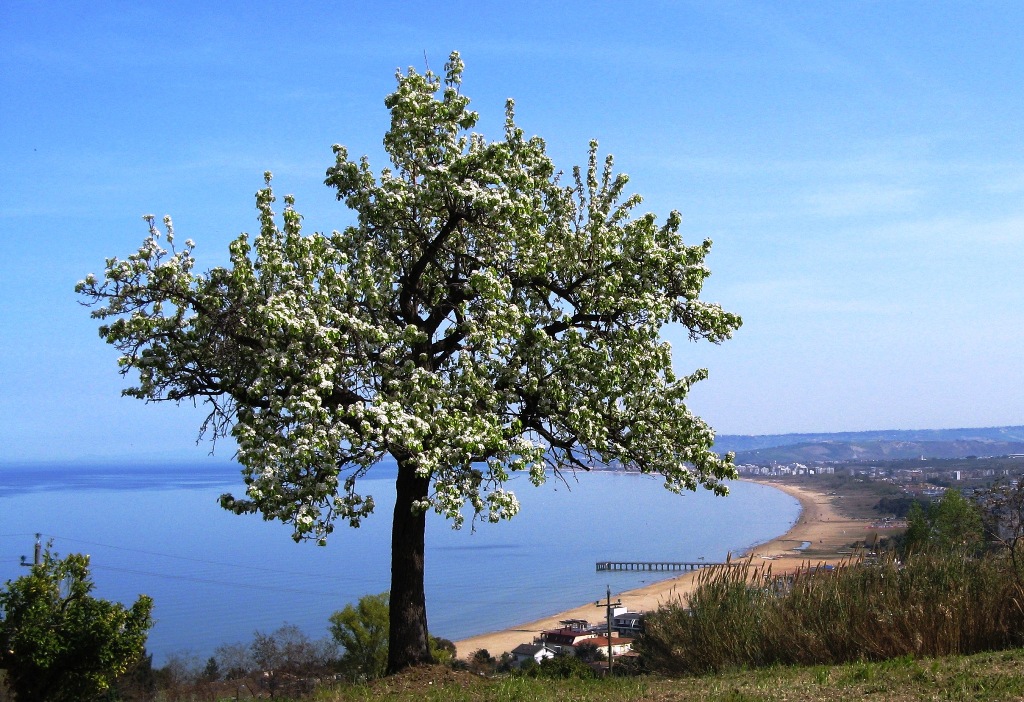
(362, 630)
(560, 667)
(589, 652)
(952, 524)
(443, 650)
(57, 641)
(481, 661)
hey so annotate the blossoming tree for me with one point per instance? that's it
(480, 317)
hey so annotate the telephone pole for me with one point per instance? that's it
(38, 553)
(608, 606)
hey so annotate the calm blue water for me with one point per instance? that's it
(217, 577)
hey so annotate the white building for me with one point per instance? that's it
(524, 652)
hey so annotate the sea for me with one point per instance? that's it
(217, 578)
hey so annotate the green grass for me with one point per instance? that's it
(982, 677)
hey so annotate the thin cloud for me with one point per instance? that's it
(805, 296)
(862, 199)
(952, 233)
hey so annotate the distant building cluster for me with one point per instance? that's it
(919, 477)
(922, 474)
(784, 469)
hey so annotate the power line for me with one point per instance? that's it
(205, 561)
(211, 581)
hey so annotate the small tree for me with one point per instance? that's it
(57, 641)
(211, 671)
(363, 632)
(951, 524)
(480, 317)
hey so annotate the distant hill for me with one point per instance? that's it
(739, 442)
(878, 451)
(874, 445)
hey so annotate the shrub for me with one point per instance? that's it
(560, 667)
(57, 641)
(362, 630)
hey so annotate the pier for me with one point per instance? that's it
(656, 565)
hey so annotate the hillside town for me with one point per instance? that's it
(923, 476)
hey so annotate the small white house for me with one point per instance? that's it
(524, 652)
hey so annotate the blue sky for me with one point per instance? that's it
(858, 165)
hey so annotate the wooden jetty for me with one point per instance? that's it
(656, 565)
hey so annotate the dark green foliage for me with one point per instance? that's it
(442, 650)
(562, 667)
(506, 662)
(137, 685)
(899, 507)
(589, 652)
(57, 642)
(211, 671)
(934, 604)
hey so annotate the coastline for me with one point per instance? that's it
(819, 535)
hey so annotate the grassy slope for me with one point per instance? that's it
(988, 676)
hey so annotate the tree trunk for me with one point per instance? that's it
(408, 640)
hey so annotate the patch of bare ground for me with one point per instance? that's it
(426, 681)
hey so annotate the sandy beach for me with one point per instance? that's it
(819, 535)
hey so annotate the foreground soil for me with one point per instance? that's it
(822, 534)
(983, 677)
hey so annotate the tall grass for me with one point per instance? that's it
(743, 615)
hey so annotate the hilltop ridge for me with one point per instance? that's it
(875, 445)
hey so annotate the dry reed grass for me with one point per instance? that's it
(745, 616)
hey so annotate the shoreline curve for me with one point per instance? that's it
(819, 535)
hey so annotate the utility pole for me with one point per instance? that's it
(38, 553)
(608, 606)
